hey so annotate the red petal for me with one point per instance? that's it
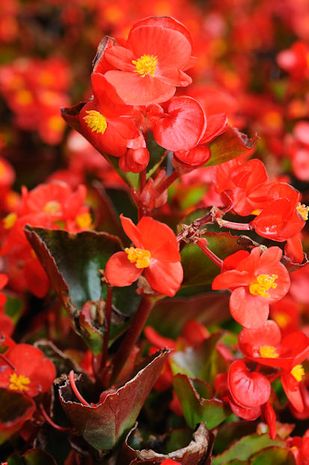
(249, 389)
(159, 239)
(183, 126)
(165, 277)
(248, 310)
(119, 271)
(292, 390)
(250, 340)
(132, 231)
(137, 90)
(230, 279)
(170, 46)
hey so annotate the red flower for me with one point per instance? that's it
(149, 66)
(265, 346)
(239, 181)
(155, 253)
(33, 373)
(256, 280)
(284, 216)
(170, 462)
(248, 388)
(182, 126)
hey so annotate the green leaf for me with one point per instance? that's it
(197, 410)
(199, 270)
(201, 362)
(103, 424)
(245, 448)
(32, 457)
(13, 306)
(73, 263)
(169, 316)
(15, 410)
(274, 456)
(229, 145)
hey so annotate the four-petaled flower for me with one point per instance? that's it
(155, 254)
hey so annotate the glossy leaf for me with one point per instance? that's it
(32, 457)
(274, 456)
(201, 362)
(199, 270)
(104, 423)
(245, 448)
(170, 315)
(231, 144)
(197, 410)
(15, 410)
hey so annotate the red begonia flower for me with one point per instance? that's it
(283, 216)
(170, 462)
(240, 180)
(248, 388)
(149, 66)
(182, 126)
(156, 255)
(33, 373)
(270, 418)
(256, 281)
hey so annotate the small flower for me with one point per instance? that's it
(155, 254)
(256, 280)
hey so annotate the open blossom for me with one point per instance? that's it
(33, 373)
(155, 255)
(256, 280)
(264, 345)
(150, 64)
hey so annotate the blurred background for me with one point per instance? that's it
(252, 61)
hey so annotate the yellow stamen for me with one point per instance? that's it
(303, 211)
(56, 123)
(19, 382)
(84, 220)
(24, 97)
(9, 220)
(282, 319)
(145, 65)
(52, 207)
(96, 121)
(263, 283)
(256, 212)
(140, 257)
(298, 372)
(268, 352)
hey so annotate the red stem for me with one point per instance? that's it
(165, 184)
(7, 361)
(75, 390)
(233, 225)
(107, 326)
(203, 245)
(51, 422)
(136, 327)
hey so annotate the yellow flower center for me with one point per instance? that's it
(52, 207)
(263, 283)
(303, 211)
(146, 64)
(140, 257)
(56, 123)
(19, 382)
(95, 121)
(298, 372)
(268, 352)
(282, 319)
(84, 220)
(9, 220)
(24, 97)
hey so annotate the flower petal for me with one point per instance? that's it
(164, 277)
(248, 310)
(120, 272)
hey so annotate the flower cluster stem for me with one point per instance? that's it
(136, 327)
(203, 245)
